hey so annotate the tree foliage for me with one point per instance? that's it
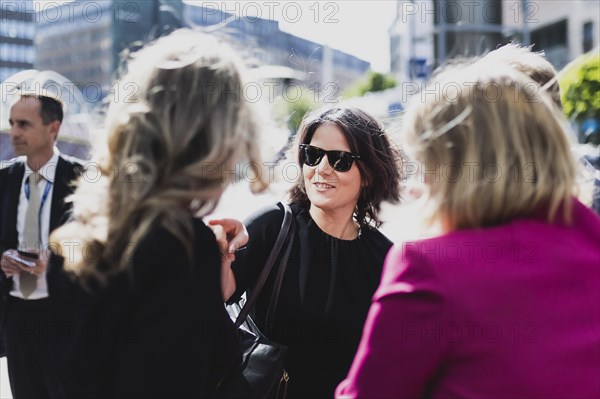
(373, 82)
(291, 107)
(580, 88)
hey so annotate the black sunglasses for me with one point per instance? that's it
(341, 161)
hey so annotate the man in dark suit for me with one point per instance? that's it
(33, 188)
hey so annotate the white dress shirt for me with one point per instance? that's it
(48, 171)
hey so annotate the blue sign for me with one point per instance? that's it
(418, 68)
(395, 107)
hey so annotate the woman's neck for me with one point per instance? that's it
(339, 224)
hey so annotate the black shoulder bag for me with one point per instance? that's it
(261, 368)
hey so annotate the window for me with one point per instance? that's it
(553, 35)
(588, 36)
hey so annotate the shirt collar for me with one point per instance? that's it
(48, 170)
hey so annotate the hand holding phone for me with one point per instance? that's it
(24, 257)
(28, 254)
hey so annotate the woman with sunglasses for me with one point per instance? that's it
(349, 166)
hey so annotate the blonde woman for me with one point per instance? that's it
(531, 63)
(150, 320)
(506, 302)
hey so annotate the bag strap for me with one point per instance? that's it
(278, 282)
(262, 278)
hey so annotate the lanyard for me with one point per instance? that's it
(44, 197)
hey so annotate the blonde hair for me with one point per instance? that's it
(533, 64)
(492, 147)
(172, 146)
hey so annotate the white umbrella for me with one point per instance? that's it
(76, 122)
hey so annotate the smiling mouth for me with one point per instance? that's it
(323, 185)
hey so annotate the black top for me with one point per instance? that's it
(158, 331)
(324, 299)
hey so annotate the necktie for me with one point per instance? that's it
(31, 232)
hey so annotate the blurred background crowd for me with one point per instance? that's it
(297, 65)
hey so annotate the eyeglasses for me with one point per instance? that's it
(340, 161)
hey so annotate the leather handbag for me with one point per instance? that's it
(261, 369)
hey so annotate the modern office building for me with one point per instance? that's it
(564, 29)
(324, 69)
(17, 31)
(427, 32)
(83, 40)
(412, 54)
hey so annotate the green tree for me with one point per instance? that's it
(374, 81)
(291, 107)
(580, 88)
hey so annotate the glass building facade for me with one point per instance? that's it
(466, 29)
(263, 40)
(17, 32)
(85, 43)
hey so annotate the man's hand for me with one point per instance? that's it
(41, 263)
(11, 265)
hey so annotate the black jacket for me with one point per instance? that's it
(11, 177)
(157, 330)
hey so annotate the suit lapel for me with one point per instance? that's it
(11, 203)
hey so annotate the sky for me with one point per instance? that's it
(361, 29)
(356, 27)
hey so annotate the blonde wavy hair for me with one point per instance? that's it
(491, 146)
(174, 136)
(531, 63)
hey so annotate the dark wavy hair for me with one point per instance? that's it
(379, 165)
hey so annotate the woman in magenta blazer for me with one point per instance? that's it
(506, 302)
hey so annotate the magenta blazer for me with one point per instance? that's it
(506, 312)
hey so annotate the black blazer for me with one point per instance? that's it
(11, 177)
(157, 330)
